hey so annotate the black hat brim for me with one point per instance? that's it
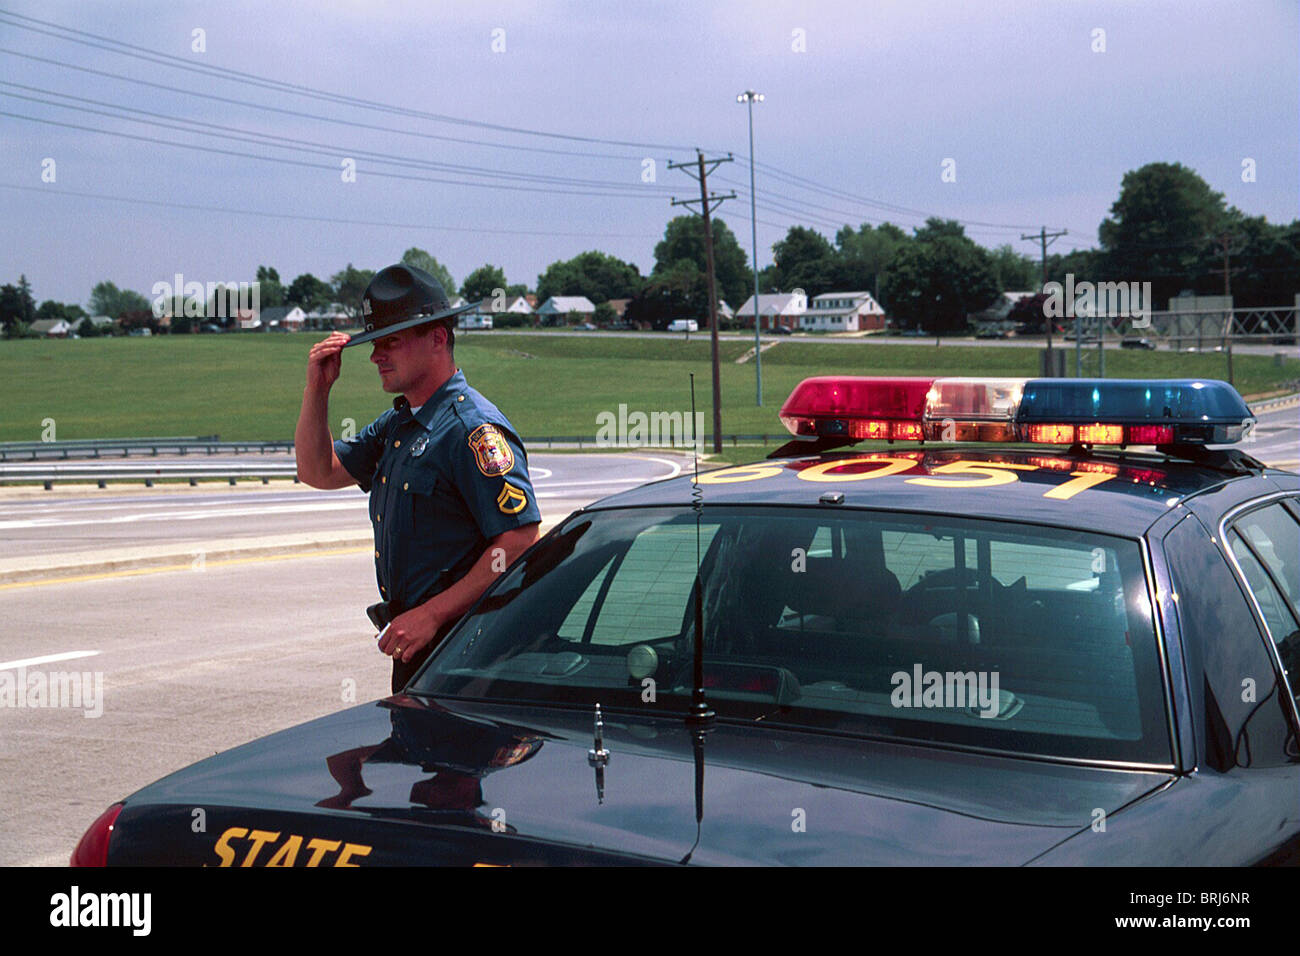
(379, 333)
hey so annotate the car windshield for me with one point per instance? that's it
(932, 628)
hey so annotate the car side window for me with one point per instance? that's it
(1266, 544)
(1245, 718)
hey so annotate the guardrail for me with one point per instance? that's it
(101, 474)
(125, 447)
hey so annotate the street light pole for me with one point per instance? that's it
(749, 97)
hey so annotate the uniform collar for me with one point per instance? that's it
(445, 394)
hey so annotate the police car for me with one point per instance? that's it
(953, 621)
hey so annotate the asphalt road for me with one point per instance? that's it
(60, 520)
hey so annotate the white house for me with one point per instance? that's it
(52, 328)
(843, 312)
(519, 305)
(282, 318)
(555, 309)
(332, 316)
(781, 308)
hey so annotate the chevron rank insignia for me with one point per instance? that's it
(492, 452)
(511, 500)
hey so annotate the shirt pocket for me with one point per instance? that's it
(425, 497)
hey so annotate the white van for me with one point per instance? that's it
(683, 325)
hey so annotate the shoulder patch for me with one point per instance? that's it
(492, 452)
(511, 501)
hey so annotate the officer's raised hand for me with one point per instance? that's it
(324, 361)
(409, 633)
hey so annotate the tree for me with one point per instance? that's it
(679, 291)
(1015, 271)
(865, 256)
(605, 315)
(684, 239)
(58, 310)
(940, 277)
(270, 293)
(805, 260)
(107, 299)
(1159, 227)
(598, 276)
(483, 282)
(28, 303)
(422, 260)
(349, 286)
(308, 293)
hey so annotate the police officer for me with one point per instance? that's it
(450, 498)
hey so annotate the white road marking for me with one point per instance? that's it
(47, 659)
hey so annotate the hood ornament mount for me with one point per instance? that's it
(598, 756)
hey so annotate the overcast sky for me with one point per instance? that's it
(864, 101)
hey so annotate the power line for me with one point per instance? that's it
(331, 149)
(293, 162)
(238, 76)
(316, 116)
(199, 207)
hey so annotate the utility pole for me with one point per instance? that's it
(708, 203)
(1043, 237)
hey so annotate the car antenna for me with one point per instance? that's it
(701, 715)
(700, 712)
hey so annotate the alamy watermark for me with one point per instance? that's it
(82, 690)
(1087, 300)
(212, 300)
(637, 429)
(950, 690)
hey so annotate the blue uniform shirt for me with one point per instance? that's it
(443, 482)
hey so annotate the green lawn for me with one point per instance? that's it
(249, 387)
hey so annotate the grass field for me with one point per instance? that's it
(249, 387)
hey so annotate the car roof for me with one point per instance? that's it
(1126, 494)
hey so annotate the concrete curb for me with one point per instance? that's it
(192, 556)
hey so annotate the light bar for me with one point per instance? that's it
(1107, 411)
(1041, 411)
(857, 407)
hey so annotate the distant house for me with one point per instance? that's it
(103, 323)
(52, 328)
(779, 308)
(555, 310)
(619, 306)
(282, 318)
(520, 305)
(843, 312)
(332, 316)
(725, 311)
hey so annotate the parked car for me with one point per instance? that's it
(1079, 653)
(683, 325)
(1132, 343)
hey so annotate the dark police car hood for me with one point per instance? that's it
(410, 781)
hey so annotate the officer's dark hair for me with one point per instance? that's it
(428, 327)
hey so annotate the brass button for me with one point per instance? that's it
(379, 517)
(405, 485)
(460, 398)
(398, 443)
(384, 589)
(376, 554)
(384, 479)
